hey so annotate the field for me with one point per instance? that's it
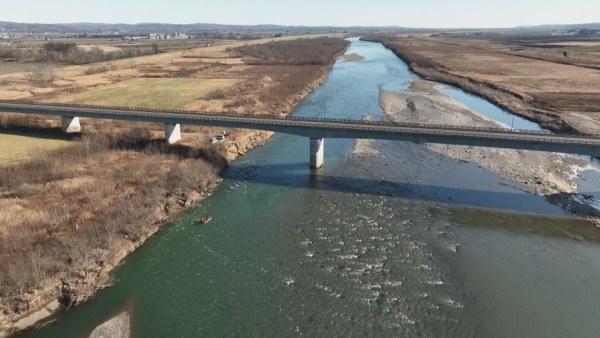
(159, 93)
(539, 83)
(18, 147)
(106, 48)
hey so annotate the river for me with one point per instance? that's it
(411, 243)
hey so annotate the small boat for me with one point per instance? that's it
(205, 220)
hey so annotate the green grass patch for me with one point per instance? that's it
(151, 93)
(20, 147)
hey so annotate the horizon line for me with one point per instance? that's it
(297, 26)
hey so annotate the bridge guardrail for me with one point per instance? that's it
(276, 120)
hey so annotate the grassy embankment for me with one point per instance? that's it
(70, 215)
(560, 93)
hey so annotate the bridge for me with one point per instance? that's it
(318, 129)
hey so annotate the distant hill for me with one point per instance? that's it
(183, 28)
(196, 28)
(594, 25)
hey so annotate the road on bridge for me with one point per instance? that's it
(331, 128)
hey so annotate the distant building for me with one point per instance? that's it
(180, 36)
(157, 36)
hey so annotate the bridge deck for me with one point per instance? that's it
(331, 128)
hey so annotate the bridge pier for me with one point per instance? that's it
(172, 132)
(70, 124)
(317, 152)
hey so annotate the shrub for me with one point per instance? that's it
(96, 70)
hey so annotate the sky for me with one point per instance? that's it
(405, 13)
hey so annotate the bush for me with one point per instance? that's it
(96, 70)
(64, 52)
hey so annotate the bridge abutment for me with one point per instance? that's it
(172, 132)
(70, 124)
(317, 152)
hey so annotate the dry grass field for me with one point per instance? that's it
(159, 93)
(19, 147)
(106, 48)
(7, 68)
(540, 84)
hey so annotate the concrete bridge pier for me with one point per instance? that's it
(172, 132)
(317, 152)
(70, 124)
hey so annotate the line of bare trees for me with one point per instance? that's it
(69, 53)
(319, 51)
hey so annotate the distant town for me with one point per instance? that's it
(21, 31)
(154, 31)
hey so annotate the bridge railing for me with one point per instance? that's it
(270, 119)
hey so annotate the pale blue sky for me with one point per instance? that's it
(408, 13)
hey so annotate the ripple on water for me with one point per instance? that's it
(384, 267)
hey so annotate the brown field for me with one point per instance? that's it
(539, 84)
(106, 48)
(88, 205)
(7, 68)
(158, 93)
(577, 43)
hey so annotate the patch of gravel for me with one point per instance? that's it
(352, 57)
(544, 173)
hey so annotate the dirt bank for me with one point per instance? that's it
(542, 173)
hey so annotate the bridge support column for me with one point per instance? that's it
(70, 124)
(172, 132)
(317, 152)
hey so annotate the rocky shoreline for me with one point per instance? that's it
(549, 174)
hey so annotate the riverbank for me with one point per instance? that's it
(541, 173)
(560, 97)
(31, 306)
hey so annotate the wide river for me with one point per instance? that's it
(407, 243)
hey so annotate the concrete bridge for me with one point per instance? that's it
(318, 129)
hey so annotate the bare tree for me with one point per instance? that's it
(19, 272)
(38, 76)
(61, 213)
(38, 269)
